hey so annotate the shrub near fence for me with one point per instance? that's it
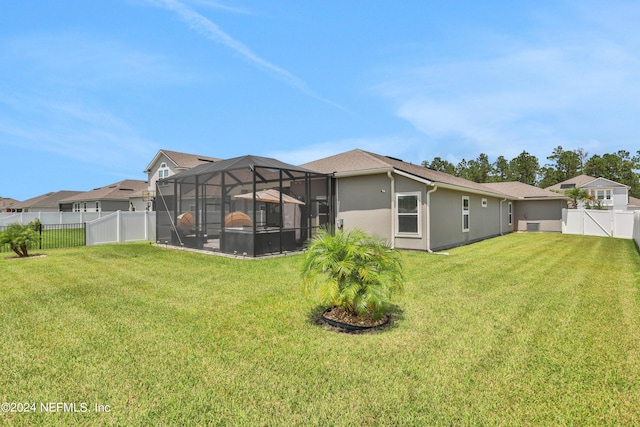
(53, 236)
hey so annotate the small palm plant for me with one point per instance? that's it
(352, 270)
(576, 195)
(19, 237)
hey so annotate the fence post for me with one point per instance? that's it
(118, 231)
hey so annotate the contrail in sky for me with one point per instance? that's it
(204, 26)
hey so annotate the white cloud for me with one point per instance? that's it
(80, 60)
(209, 29)
(74, 131)
(561, 89)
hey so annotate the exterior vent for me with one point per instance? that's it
(533, 226)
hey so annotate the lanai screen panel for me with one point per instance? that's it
(246, 206)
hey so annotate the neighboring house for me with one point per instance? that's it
(49, 202)
(167, 163)
(417, 208)
(610, 194)
(7, 204)
(119, 196)
(634, 204)
(533, 209)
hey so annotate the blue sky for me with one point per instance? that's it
(91, 90)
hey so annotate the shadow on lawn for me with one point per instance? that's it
(314, 317)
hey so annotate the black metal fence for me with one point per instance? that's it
(53, 236)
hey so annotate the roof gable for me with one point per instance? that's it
(603, 182)
(180, 160)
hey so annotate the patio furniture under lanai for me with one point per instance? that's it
(247, 205)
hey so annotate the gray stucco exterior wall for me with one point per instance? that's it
(365, 202)
(446, 218)
(538, 215)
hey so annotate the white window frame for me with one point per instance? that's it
(466, 213)
(416, 214)
(510, 212)
(607, 193)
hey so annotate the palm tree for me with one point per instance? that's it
(352, 270)
(19, 237)
(576, 195)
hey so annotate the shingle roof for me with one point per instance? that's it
(183, 160)
(360, 161)
(521, 190)
(48, 200)
(7, 201)
(576, 180)
(119, 191)
(634, 201)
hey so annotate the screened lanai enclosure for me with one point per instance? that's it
(248, 206)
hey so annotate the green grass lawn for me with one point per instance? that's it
(525, 329)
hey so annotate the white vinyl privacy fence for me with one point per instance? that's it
(636, 228)
(605, 223)
(120, 227)
(50, 217)
(100, 227)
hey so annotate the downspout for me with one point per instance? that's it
(433, 190)
(501, 218)
(393, 209)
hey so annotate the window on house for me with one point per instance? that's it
(84, 207)
(97, 206)
(510, 212)
(408, 217)
(76, 207)
(601, 194)
(465, 213)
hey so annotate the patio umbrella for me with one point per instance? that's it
(270, 196)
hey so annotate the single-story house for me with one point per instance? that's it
(118, 196)
(7, 204)
(49, 202)
(534, 209)
(422, 209)
(610, 194)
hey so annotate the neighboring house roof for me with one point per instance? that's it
(520, 190)
(357, 162)
(634, 202)
(576, 181)
(583, 181)
(7, 202)
(49, 200)
(122, 190)
(181, 160)
(603, 182)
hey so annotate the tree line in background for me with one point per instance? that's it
(563, 164)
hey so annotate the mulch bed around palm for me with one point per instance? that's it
(339, 315)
